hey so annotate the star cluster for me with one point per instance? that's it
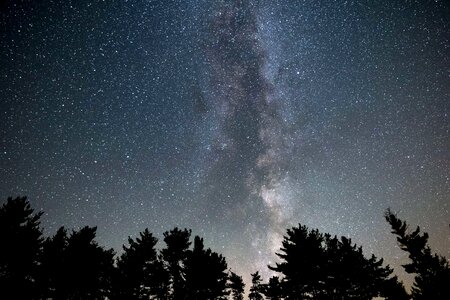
(234, 118)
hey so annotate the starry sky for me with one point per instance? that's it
(236, 118)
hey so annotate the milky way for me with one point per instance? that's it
(252, 144)
(234, 118)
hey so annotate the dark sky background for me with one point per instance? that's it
(234, 118)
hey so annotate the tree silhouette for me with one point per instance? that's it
(304, 258)
(206, 276)
(174, 256)
(75, 266)
(236, 286)
(313, 266)
(140, 274)
(256, 288)
(432, 280)
(89, 265)
(393, 289)
(319, 266)
(21, 241)
(52, 272)
(272, 290)
(349, 273)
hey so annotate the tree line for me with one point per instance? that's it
(312, 265)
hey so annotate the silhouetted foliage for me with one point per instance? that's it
(432, 271)
(174, 256)
(88, 265)
(272, 290)
(236, 286)
(393, 289)
(349, 273)
(140, 273)
(313, 266)
(52, 279)
(21, 240)
(304, 259)
(206, 276)
(319, 266)
(75, 266)
(257, 288)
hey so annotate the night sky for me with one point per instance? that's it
(237, 119)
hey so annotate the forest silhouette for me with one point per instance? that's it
(312, 265)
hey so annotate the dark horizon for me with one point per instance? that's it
(310, 265)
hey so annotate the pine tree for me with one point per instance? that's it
(272, 290)
(206, 276)
(393, 289)
(324, 267)
(52, 278)
(174, 255)
(75, 266)
(256, 288)
(303, 261)
(141, 275)
(21, 242)
(350, 273)
(236, 285)
(432, 271)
